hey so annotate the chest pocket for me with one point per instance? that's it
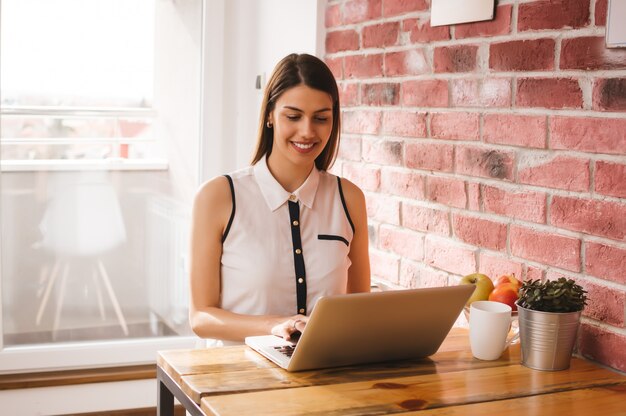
(331, 237)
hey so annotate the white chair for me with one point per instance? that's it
(82, 220)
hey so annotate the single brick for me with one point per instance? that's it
(522, 55)
(417, 275)
(356, 11)
(547, 248)
(606, 262)
(610, 179)
(480, 232)
(384, 265)
(447, 191)
(350, 148)
(380, 35)
(590, 216)
(336, 66)
(408, 244)
(587, 134)
(411, 62)
(553, 14)
(609, 94)
(457, 58)
(554, 93)
(332, 17)
(424, 219)
(601, 8)
(484, 162)
(348, 94)
(489, 92)
(590, 53)
(404, 123)
(525, 205)
(429, 156)
(360, 121)
(363, 66)
(494, 265)
(402, 183)
(517, 130)
(383, 208)
(380, 94)
(455, 126)
(342, 40)
(425, 93)
(367, 177)
(448, 255)
(396, 7)
(382, 152)
(552, 171)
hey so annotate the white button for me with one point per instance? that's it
(293, 198)
(301, 310)
(295, 223)
(298, 251)
(300, 280)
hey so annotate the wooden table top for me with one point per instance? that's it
(238, 381)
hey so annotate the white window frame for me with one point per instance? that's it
(121, 352)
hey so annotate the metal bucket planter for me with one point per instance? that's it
(547, 338)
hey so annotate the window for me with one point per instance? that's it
(100, 130)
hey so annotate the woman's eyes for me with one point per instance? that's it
(296, 117)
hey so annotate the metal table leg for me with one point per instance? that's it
(167, 390)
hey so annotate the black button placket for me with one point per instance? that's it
(298, 257)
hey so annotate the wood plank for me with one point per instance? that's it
(201, 385)
(608, 400)
(177, 363)
(225, 360)
(412, 393)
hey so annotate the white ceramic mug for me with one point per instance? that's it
(489, 324)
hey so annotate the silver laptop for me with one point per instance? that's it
(369, 327)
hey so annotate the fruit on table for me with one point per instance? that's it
(508, 279)
(483, 284)
(506, 292)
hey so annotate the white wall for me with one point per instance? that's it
(255, 36)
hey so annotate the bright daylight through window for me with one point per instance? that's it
(77, 79)
(100, 131)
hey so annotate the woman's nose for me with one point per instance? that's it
(306, 129)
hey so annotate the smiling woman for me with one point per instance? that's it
(258, 260)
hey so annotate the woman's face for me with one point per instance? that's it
(303, 121)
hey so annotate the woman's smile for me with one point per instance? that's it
(303, 147)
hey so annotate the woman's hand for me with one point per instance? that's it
(292, 326)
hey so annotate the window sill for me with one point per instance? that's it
(74, 165)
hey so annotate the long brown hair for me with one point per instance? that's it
(291, 71)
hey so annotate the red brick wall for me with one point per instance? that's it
(495, 146)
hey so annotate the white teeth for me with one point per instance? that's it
(303, 146)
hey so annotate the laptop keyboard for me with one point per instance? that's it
(286, 350)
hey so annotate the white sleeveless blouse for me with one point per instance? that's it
(282, 251)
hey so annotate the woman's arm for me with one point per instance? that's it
(211, 212)
(359, 271)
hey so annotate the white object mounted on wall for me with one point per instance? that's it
(450, 12)
(615, 27)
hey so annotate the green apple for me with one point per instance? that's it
(483, 284)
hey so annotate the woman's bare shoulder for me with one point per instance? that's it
(352, 193)
(213, 195)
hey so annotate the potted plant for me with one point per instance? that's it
(549, 316)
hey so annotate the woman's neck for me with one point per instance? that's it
(290, 176)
